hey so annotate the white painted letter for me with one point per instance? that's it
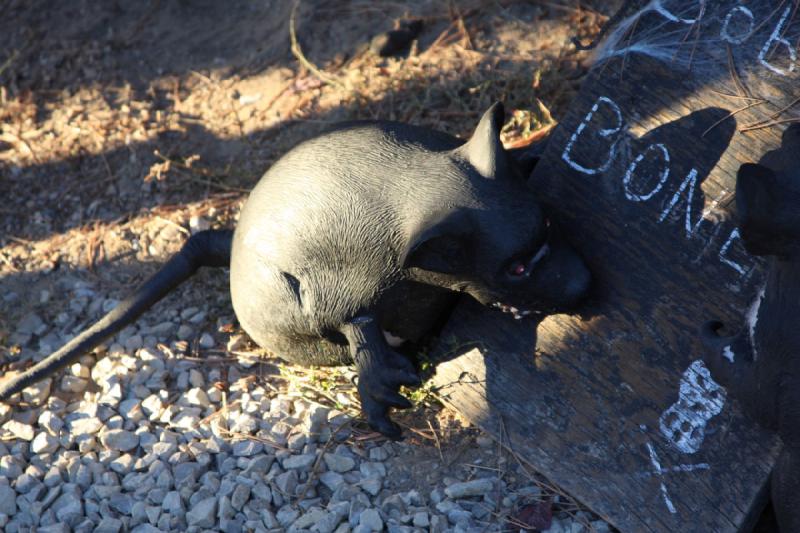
(724, 250)
(605, 133)
(626, 181)
(691, 182)
(742, 37)
(658, 6)
(777, 39)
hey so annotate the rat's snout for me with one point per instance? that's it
(578, 287)
(577, 282)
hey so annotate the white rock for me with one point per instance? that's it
(207, 341)
(37, 393)
(120, 440)
(131, 409)
(152, 406)
(309, 518)
(196, 378)
(133, 343)
(476, 487)
(332, 480)
(372, 470)
(198, 223)
(164, 449)
(8, 500)
(240, 496)
(73, 384)
(372, 485)
(371, 519)
(378, 454)
(236, 343)
(67, 506)
(80, 371)
(172, 503)
(202, 513)
(185, 332)
(302, 461)
(44, 443)
(85, 426)
(109, 525)
(287, 515)
(19, 430)
(197, 396)
(287, 482)
(421, 519)
(339, 463)
(31, 324)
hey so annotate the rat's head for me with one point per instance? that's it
(768, 200)
(500, 247)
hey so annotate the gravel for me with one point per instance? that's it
(476, 487)
(154, 445)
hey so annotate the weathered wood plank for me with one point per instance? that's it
(614, 405)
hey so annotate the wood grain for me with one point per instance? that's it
(582, 398)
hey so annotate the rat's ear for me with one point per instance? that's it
(483, 150)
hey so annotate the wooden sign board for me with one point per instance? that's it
(615, 406)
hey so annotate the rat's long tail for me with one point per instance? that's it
(206, 248)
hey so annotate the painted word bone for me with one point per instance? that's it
(611, 130)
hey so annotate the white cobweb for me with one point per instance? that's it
(701, 35)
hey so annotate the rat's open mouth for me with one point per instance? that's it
(518, 313)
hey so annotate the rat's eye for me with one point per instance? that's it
(517, 268)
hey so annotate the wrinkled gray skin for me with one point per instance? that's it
(368, 231)
(765, 372)
(369, 228)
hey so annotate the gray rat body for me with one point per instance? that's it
(364, 234)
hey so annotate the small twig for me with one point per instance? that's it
(438, 444)
(418, 432)
(731, 114)
(771, 124)
(7, 63)
(174, 224)
(207, 360)
(20, 240)
(737, 96)
(8, 263)
(697, 39)
(772, 117)
(298, 52)
(233, 435)
(189, 173)
(737, 81)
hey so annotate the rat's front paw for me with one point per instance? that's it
(379, 386)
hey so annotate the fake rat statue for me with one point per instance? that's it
(357, 239)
